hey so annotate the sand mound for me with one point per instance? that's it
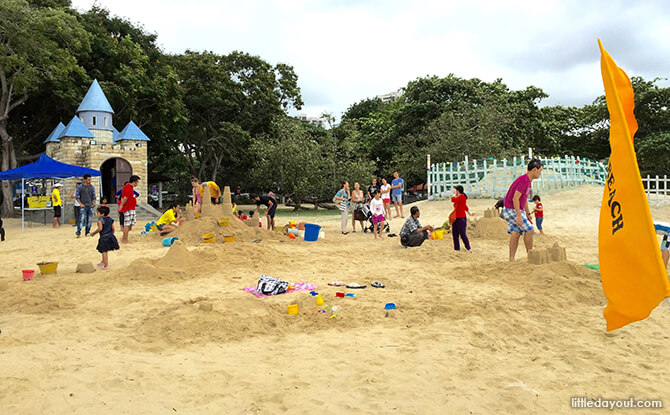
(191, 231)
(178, 263)
(488, 228)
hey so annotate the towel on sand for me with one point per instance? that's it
(299, 286)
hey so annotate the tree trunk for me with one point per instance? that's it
(7, 149)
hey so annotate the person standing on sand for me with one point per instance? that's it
(385, 191)
(342, 197)
(127, 215)
(197, 197)
(271, 203)
(85, 195)
(377, 211)
(77, 207)
(372, 189)
(461, 223)
(398, 185)
(357, 203)
(412, 233)
(539, 213)
(57, 204)
(516, 202)
(665, 248)
(2, 232)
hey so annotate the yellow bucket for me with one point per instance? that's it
(438, 234)
(208, 237)
(71, 222)
(228, 239)
(47, 267)
(292, 309)
(319, 300)
(154, 228)
(224, 222)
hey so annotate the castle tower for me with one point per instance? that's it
(96, 114)
(90, 140)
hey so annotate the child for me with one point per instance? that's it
(197, 197)
(107, 241)
(539, 213)
(2, 231)
(169, 221)
(103, 202)
(461, 223)
(377, 210)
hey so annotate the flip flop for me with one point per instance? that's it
(355, 286)
(336, 284)
(377, 284)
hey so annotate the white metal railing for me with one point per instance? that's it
(490, 178)
(657, 189)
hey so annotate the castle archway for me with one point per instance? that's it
(115, 172)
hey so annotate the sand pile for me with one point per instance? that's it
(178, 263)
(488, 228)
(192, 230)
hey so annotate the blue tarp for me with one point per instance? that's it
(45, 167)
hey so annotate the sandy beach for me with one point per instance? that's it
(472, 333)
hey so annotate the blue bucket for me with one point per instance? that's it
(312, 232)
(169, 241)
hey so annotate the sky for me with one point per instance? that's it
(348, 50)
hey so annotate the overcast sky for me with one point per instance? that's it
(344, 51)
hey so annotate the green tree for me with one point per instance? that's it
(229, 99)
(290, 160)
(37, 46)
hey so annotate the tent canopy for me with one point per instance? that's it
(46, 167)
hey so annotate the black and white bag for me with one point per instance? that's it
(271, 286)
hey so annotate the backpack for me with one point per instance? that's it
(271, 286)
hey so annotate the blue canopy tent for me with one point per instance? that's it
(44, 168)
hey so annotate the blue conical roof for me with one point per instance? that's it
(132, 132)
(95, 100)
(75, 128)
(115, 134)
(53, 137)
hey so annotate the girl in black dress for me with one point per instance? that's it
(107, 241)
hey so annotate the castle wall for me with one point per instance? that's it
(80, 152)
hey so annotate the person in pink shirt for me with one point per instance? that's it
(516, 211)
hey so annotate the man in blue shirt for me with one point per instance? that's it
(397, 184)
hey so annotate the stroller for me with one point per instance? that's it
(363, 213)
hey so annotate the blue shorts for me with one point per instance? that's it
(160, 227)
(396, 198)
(510, 217)
(665, 244)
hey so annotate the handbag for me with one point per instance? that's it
(452, 217)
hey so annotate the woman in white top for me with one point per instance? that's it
(357, 203)
(386, 197)
(377, 210)
(342, 198)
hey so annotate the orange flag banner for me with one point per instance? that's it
(631, 269)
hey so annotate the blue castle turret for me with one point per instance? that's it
(94, 110)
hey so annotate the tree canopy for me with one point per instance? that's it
(225, 116)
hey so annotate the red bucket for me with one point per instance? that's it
(28, 274)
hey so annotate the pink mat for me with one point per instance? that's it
(299, 286)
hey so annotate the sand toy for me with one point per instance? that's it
(47, 267)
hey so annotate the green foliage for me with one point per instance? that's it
(290, 160)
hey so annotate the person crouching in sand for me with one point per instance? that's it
(412, 233)
(516, 201)
(170, 219)
(107, 241)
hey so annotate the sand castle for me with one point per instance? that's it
(544, 256)
(193, 229)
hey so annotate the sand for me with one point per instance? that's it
(169, 330)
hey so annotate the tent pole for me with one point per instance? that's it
(23, 201)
